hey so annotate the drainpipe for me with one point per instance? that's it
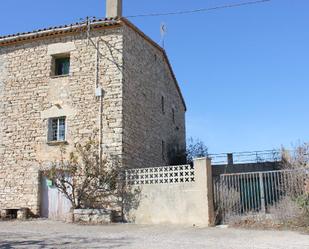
(99, 94)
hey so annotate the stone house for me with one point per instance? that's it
(102, 78)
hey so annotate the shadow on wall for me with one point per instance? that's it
(44, 198)
(175, 154)
(53, 204)
(128, 199)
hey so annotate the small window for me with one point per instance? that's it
(163, 150)
(61, 65)
(163, 104)
(173, 115)
(56, 129)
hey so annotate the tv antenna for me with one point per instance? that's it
(163, 31)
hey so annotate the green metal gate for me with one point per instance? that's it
(242, 194)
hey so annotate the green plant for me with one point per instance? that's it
(303, 202)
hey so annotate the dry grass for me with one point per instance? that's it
(286, 215)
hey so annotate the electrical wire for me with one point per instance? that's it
(199, 10)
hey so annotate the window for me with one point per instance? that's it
(56, 129)
(163, 150)
(61, 65)
(173, 115)
(162, 104)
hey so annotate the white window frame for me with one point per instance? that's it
(50, 129)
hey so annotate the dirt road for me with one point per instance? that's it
(51, 234)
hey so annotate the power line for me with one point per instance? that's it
(200, 10)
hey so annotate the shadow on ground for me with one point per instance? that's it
(64, 242)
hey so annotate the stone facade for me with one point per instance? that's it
(148, 79)
(2, 79)
(92, 216)
(133, 74)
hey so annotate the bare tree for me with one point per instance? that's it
(297, 158)
(195, 149)
(81, 177)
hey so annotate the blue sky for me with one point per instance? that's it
(244, 72)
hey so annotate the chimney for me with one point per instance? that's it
(113, 8)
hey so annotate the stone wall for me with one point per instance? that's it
(147, 78)
(134, 75)
(30, 95)
(92, 216)
(2, 78)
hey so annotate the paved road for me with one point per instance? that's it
(50, 234)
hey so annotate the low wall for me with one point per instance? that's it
(92, 216)
(173, 194)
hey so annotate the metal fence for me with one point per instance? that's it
(236, 195)
(247, 157)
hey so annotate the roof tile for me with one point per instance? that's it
(109, 22)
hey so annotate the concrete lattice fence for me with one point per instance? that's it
(173, 194)
(161, 175)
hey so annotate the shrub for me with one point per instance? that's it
(82, 178)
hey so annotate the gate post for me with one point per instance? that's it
(263, 207)
(203, 171)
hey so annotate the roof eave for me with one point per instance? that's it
(131, 25)
(10, 39)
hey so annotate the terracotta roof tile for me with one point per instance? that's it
(104, 22)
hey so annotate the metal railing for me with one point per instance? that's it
(246, 157)
(241, 194)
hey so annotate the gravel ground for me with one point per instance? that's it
(51, 234)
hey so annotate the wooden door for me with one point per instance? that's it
(54, 205)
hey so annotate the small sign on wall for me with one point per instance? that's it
(49, 183)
